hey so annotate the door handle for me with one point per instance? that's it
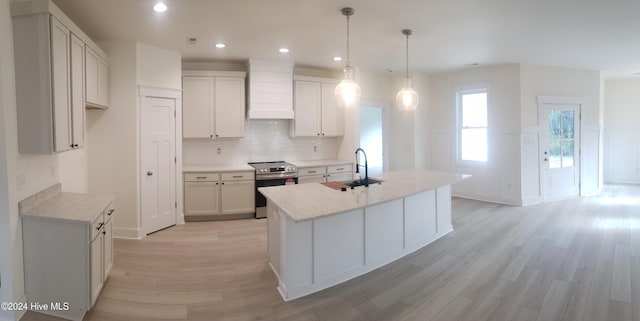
(149, 173)
(545, 159)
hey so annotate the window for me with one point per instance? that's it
(472, 126)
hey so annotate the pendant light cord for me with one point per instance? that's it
(348, 49)
(407, 47)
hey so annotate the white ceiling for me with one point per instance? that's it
(447, 34)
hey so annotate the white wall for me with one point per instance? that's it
(566, 82)
(499, 180)
(113, 155)
(422, 126)
(113, 133)
(622, 131)
(39, 172)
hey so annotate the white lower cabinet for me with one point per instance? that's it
(323, 174)
(340, 173)
(219, 193)
(67, 262)
(201, 194)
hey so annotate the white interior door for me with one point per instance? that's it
(560, 150)
(158, 183)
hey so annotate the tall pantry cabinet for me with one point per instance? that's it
(50, 59)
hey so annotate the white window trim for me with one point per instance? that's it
(459, 161)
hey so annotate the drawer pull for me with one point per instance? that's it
(111, 211)
(238, 176)
(104, 232)
(311, 172)
(99, 226)
(201, 177)
(340, 169)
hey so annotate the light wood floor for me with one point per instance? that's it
(568, 260)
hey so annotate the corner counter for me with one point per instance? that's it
(319, 237)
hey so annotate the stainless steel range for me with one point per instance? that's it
(272, 174)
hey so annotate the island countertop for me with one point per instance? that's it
(309, 201)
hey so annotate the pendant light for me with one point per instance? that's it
(407, 97)
(348, 92)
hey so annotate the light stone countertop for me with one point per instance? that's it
(320, 162)
(240, 167)
(76, 207)
(313, 200)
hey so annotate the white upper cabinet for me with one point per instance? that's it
(49, 51)
(316, 110)
(61, 84)
(77, 91)
(97, 79)
(213, 104)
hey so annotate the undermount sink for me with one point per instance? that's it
(360, 182)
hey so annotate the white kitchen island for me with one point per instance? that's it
(319, 237)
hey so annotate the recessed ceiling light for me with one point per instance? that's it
(220, 45)
(336, 58)
(160, 7)
(283, 50)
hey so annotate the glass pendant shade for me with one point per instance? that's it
(348, 92)
(407, 97)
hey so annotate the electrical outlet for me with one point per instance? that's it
(219, 151)
(315, 149)
(21, 182)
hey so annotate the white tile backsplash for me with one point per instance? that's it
(264, 140)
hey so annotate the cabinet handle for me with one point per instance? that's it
(311, 172)
(211, 135)
(75, 145)
(201, 177)
(238, 176)
(111, 211)
(216, 135)
(222, 183)
(149, 173)
(104, 232)
(340, 169)
(318, 134)
(322, 134)
(99, 226)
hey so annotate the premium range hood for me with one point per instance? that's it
(270, 89)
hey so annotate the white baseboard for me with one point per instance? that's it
(128, 233)
(532, 200)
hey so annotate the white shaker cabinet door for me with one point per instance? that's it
(229, 106)
(97, 265)
(201, 198)
(197, 107)
(307, 109)
(332, 115)
(60, 47)
(77, 91)
(238, 197)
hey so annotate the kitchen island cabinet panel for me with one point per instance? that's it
(383, 231)
(420, 214)
(338, 245)
(345, 234)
